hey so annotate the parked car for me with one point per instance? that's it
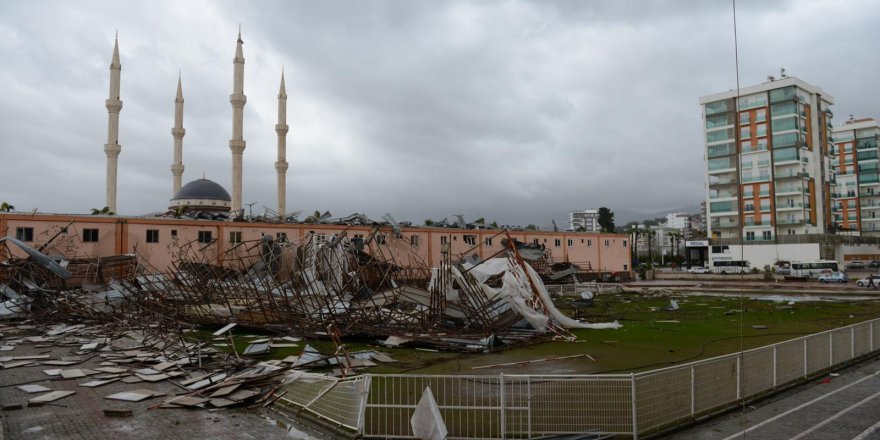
(833, 277)
(855, 265)
(698, 269)
(865, 281)
(874, 263)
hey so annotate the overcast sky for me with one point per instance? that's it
(515, 111)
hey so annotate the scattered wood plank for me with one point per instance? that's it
(51, 397)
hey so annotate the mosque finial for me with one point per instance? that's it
(115, 61)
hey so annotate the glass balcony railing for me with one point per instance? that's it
(752, 149)
(763, 177)
(790, 221)
(865, 179)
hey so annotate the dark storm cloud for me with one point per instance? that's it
(515, 111)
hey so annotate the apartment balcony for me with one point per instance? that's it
(723, 195)
(871, 220)
(791, 175)
(793, 206)
(764, 178)
(789, 222)
(755, 149)
(757, 239)
(718, 226)
(781, 192)
(721, 170)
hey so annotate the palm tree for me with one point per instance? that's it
(651, 233)
(674, 241)
(6, 207)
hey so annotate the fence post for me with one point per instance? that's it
(805, 357)
(503, 423)
(830, 348)
(635, 414)
(529, 390)
(852, 340)
(775, 366)
(871, 338)
(739, 376)
(693, 391)
(362, 416)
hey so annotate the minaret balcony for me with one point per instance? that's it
(113, 105)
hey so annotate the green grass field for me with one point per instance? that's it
(706, 326)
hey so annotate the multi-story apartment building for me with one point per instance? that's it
(588, 219)
(768, 160)
(856, 200)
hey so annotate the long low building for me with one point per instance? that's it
(158, 240)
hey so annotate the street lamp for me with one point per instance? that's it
(251, 209)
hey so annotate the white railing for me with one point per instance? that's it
(525, 406)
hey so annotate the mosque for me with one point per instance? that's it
(202, 194)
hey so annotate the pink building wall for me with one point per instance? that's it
(121, 235)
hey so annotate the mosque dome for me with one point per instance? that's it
(202, 195)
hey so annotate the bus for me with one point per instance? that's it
(812, 269)
(731, 266)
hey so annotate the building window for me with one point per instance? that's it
(750, 235)
(234, 237)
(624, 245)
(557, 242)
(444, 239)
(607, 243)
(415, 240)
(152, 235)
(380, 238)
(281, 236)
(470, 239)
(767, 235)
(90, 235)
(24, 234)
(535, 241)
(589, 243)
(488, 242)
(205, 236)
(625, 267)
(570, 242)
(174, 232)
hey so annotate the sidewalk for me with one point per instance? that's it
(80, 416)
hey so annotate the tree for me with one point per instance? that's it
(313, 218)
(103, 211)
(531, 227)
(606, 219)
(480, 221)
(493, 225)
(6, 207)
(650, 233)
(429, 222)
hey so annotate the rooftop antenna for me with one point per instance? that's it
(850, 118)
(782, 72)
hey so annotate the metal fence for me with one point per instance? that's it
(525, 406)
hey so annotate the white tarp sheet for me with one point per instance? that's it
(427, 422)
(516, 289)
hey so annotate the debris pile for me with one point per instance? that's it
(321, 286)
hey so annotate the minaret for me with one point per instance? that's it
(237, 144)
(178, 132)
(114, 106)
(281, 165)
